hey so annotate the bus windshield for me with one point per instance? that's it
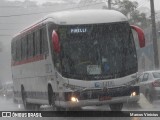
(97, 51)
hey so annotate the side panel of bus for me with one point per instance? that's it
(33, 73)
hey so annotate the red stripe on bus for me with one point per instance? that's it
(29, 60)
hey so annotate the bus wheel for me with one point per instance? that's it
(25, 104)
(54, 107)
(116, 107)
(28, 106)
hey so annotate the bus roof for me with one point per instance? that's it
(87, 16)
(73, 17)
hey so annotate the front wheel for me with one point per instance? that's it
(26, 105)
(53, 98)
(116, 106)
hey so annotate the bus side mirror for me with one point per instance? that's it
(140, 33)
(55, 42)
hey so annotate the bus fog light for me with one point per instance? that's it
(74, 99)
(133, 94)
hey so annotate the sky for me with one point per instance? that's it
(146, 3)
(43, 1)
(142, 3)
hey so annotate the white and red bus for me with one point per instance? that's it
(73, 59)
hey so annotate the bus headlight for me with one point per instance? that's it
(74, 99)
(133, 94)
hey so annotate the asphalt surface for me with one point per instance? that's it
(142, 105)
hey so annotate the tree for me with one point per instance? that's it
(129, 9)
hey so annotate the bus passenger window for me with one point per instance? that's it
(14, 51)
(18, 50)
(37, 42)
(34, 49)
(23, 48)
(43, 41)
(30, 45)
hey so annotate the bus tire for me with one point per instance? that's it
(116, 106)
(54, 107)
(52, 98)
(26, 105)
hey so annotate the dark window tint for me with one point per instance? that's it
(156, 74)
(145, 77)
(30, 45)
(24, 46)
(37, 42)
(140, 78)
(18, 50)
(43, 42)
(97, 51)
(14, 50)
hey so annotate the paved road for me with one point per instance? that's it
(8, 105)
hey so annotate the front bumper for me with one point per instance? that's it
(93, 102)
(91, 97)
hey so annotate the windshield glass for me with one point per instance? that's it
(156, 74)
(97, 51)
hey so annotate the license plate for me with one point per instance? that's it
(102, 98)
(94, 69)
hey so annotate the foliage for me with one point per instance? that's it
(129, 9)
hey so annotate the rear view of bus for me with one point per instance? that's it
(94, 59)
